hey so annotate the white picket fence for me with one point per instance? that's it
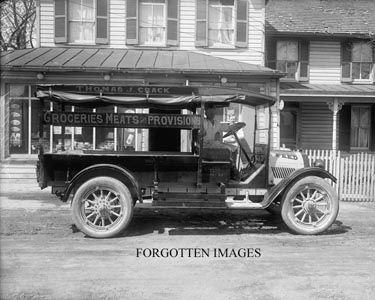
(355, 173)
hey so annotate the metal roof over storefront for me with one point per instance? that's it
(123, 60)
(327, 90)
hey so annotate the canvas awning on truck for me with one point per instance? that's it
(146, 96)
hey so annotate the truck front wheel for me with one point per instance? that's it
(102, 207)
(310, 206)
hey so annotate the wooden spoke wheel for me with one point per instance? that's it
(310, 206)
(102, 207)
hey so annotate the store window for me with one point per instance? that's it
(360, 127)
(105, 137)
(23, 122)
(81, 21)
(83, 136)
(152, 22)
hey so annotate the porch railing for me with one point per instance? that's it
(355, 173)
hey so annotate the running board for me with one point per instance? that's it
(228, 203)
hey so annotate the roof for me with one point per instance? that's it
(321, 17)
(152, 96)
(106, 60)
(333, 90)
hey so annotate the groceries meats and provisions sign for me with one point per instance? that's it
(126, 120)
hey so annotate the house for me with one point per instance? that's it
(327, 50)
(131, 43)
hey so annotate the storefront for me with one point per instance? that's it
(23, 71)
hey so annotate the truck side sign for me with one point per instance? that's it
(123, 120)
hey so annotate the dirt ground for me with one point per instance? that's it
(44, 257)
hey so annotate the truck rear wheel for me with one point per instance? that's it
(102, 207)
(310, 206)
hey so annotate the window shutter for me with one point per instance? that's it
(61, 24)
(271, 53)
(344, 128)
(346, 58)
(102, 24)
(303, 57)
(132, 22)
(201, 35)
(172, 22)
(242, 24)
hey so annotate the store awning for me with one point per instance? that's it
(123, 60)
(295, 89)
(149, 96)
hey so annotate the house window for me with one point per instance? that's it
(222, 23)
(288, 128)
(221, 16)
(292, 59)
(81, 21)
(361, 60)
(152, 22)
(360, 127)
(287, 57)
(357, 61)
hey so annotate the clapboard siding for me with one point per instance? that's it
(117, 24)
(325, 62)
(47, 23)
(254, 53)
(315, 126)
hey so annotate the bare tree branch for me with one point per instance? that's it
(17, 24)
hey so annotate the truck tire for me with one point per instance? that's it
(102, 207)
(310, 206)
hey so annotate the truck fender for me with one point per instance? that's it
(104, 170)
(287, 182)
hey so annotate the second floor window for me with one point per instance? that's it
(357, 61)
(290, 57)
(222, 23)
(81, 21)
(152, 22)
(221, 16)
(287, 57)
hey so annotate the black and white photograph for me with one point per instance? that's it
(187, 149)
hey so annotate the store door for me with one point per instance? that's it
(164, 139)
(18, 129)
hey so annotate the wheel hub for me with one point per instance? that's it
(309, 206)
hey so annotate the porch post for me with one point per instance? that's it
(335, 106)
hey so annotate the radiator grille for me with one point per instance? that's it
(281, 172)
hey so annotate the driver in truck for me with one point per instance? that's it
(213, 131)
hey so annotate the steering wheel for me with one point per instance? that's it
(233, 128)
